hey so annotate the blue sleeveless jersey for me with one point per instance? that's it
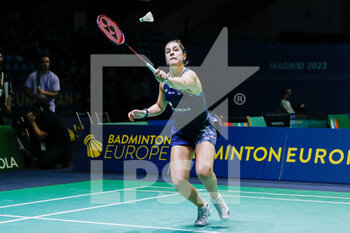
(189, 110)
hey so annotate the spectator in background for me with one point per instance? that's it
(285, 105)
(43, 84)
(5, 94)
(53, 145)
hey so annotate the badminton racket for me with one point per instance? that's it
(114, 34)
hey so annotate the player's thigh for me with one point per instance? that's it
(205, 154)
(180, 162)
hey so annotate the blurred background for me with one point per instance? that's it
(298, 44)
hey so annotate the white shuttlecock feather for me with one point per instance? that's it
(147, 18)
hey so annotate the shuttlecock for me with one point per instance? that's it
(147, 18)
(94, 147)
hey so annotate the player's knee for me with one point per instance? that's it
(177, 178)
(179, 182)
(204, 172)
(179, 175)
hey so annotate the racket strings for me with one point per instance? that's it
(114, 34)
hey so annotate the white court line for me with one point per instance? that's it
(109, 224)
(126, 225)
(161, 187)
(11, 216)
(281, 199)
(155, 191)
(286, 199)
(68, 197)
(88, 208)
(287, 194)
(267, 193)
(114, 204)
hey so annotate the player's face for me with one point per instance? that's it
(1, 57)
(174, 54)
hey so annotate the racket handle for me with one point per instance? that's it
(151, 67)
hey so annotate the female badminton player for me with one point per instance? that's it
(197, 136)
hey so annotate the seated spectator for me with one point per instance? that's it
(53, 147)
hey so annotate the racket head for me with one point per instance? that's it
(110, 29)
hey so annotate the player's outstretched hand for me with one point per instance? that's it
(136, 114)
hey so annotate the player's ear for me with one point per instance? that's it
(184, 57)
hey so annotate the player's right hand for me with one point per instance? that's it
(136, 114)
(160, 75)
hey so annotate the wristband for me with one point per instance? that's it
(147, 113)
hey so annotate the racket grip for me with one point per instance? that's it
(151, 67)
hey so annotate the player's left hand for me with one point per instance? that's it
(136, 114)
